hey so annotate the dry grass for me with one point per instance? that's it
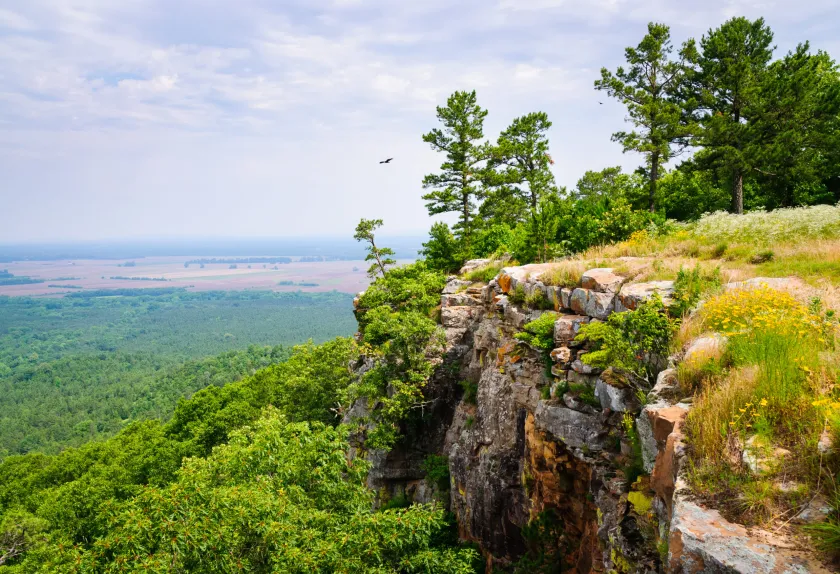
(715, 406)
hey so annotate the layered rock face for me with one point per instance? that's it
(552, 459)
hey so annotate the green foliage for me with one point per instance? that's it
(690, 287)
(80, 368)
(610, 183)
(442, 252)
(649, 87)
(635, 467)
(437, 470)
(539, 333)
(544, 540)
(400, 336)
(470, 391)
(486, 273)
(518, 172)
(584, 392)
(279, 497)
(517, 295)
(458, 185)
(380, 256)
(634, 341)
(762, 257)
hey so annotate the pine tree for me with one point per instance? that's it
(648, 87)
(725, 89)
(519, 170)
(458, 185)
(379, 255)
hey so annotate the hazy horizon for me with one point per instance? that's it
(151, 118)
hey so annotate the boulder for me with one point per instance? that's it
(473, 264)
(576, 378)
(579, 366)
(455, 286)
(592, 303)
(565, 298)
(574, 428)
(621, 400)
(780, 283)
(816, 511)
(601, 280)
(459, 317)
(632, 295)
(704, 349)
(561, 355)
(566, 328)
(760, 456)
(459, 300)
(667, 387)
(701, 540)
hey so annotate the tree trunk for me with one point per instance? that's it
(654, 175)
(738, 192)
(465, 201)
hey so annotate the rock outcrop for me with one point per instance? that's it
(544, 441)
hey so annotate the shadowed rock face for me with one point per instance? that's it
(529, 451)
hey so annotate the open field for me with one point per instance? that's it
(66, 276)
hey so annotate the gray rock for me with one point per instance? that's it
(616, 399)
(459, 317)
(566, 328)
(666, 387)
(576, 378)
(701, 540)
(632, 295)
(459, 300)
(561, 355)
(580, 367)
(566, 298)
(473, 264)
(602, 280)
(592, 303)
(574, 428)
(455, 286)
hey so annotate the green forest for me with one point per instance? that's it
(249, 468)
(78, 368)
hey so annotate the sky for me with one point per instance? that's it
(257, 118)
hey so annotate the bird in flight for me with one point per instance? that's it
(386, 160)
(602, 103)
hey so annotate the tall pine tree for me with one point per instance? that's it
(726, 81)
(457, 187)
(647, 88)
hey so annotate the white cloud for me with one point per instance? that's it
(290, 105)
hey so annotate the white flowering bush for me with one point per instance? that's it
(781, 225)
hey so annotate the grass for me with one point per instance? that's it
(776, 380)
(799, 241)
(485, 273)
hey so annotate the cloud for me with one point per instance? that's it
(208, 111)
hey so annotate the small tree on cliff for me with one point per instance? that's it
(647, 88)
(379, 255)
(458, 185)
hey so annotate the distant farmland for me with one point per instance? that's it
(86, 274)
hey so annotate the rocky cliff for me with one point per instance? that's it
(552, 461)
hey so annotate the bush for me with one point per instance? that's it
(442, 251)
(437, 470)
(767, 228)
(540, 332)
(690, 287)
(485, 273)
(635, 341)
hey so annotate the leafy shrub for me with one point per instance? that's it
(634, 341)
(517, 295)
(690, 287)
(442, 252)
(538, 300)
(437, 470)
(635, 467)
(539, 333)
(762, 257)
(585, 393)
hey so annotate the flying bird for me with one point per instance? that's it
(386, 160)
(602, 103)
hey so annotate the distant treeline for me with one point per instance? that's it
(7, 278)
(122, 278)
(65, 286)
(299, 284)
(237, 260)
(66, 279)
(150, 292)
(321, 258)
